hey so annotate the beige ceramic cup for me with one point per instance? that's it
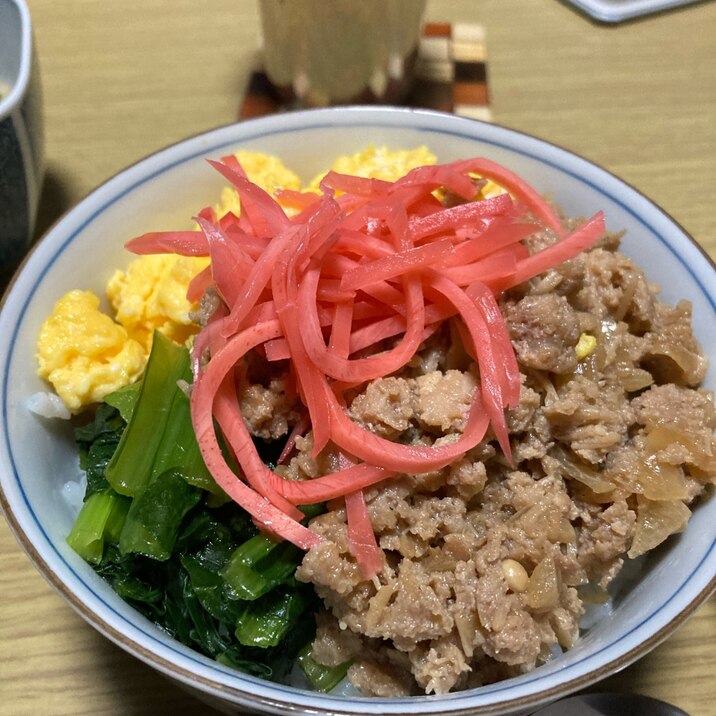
(319, 53)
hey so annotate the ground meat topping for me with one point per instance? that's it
(544, 330)
(486, 561)
(267, 411)
(433, 401)
(443, 399)
(385, 407)
(591, 418)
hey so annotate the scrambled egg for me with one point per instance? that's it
(84, 353)
(491, 189)
(151, 295)
(380, 163)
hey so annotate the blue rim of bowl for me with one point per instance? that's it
(246, 697)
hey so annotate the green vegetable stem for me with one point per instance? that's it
(159, 435)
(100, 520)
(322, 678)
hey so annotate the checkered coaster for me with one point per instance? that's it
(451, 75)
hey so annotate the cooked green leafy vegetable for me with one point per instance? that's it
(101, 519)
(156, 526)
(322, 678)
(124, 399)
(155, 516)
(97, 443)
(159, 433)
(265, 622)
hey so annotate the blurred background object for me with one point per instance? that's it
(21, 136)
(320, 53)
(620, 10)
(448, 73)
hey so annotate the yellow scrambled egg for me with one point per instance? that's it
(86, 354)
(491, 189)
(379, 163)
(151, 295)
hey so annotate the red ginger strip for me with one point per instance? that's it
(299, 429)
(265, 213)
(199, 284)
(341, 329)
(228, 260)
(459, 216)
(403, 458)
(358, 186)
(447, 176)
(184, 243)
(254, 246)
(381, 291)
(555, 254)
(501, 264)
(361, 537)
(208, 341)
(237, 436)
(359, 370)
(506, 360)
(492, 392)
(518, 187)
(258, 279)
(328, 487)
(310, 380)
(297, 199)
(379, 325)
(501, 232)
(380, 330)
(202, 401)
(396, 264)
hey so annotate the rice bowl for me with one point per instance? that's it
(125, 206)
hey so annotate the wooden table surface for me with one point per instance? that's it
(122, 79)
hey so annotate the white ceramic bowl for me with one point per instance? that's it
(161, 192)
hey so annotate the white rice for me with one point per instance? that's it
(47, 405)
(73, 492)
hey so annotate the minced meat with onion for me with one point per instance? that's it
(487, 560)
